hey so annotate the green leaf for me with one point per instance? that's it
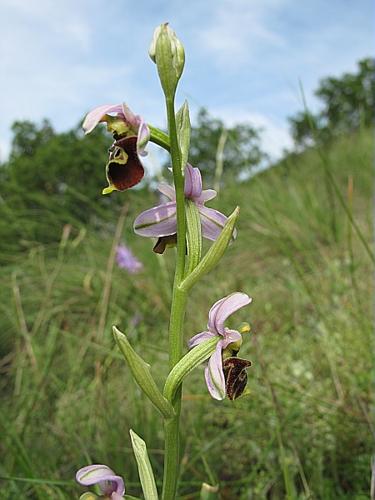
(193, 235)
(183, 132)
(142, 375)
(146, 475)
(214, 254)
(191, 360)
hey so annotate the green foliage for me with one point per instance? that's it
(27, 137)
(55, 165)
(52, 179)
(242, 150)
(306, 425)
(347, 102)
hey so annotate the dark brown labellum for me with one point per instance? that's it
(235, 374)
(164, 242)
(124, 170)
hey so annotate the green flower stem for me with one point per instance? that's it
(171, 427)
(159, 137)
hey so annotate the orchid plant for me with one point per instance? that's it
(182, 221)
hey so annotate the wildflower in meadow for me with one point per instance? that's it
(127, 260)
(131, 135)
(161, 221)
(217, 376)
(111, 486)
(225, 373)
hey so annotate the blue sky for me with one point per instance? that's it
(244, 58)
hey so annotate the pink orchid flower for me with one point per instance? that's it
(124, 169)
(161, 221)
(111, 486)
(214, 373)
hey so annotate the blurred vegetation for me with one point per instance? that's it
(347, 103)
(304, 253)
(241, 149)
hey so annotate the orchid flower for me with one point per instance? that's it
(111, 486)
(131, 134)
(127, 260)
(216, 378)
(161, 221)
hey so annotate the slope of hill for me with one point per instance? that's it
(304, 430)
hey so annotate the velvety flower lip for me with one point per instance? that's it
(123, 170)
(235, 375)
(111, 485)
(127, 260)
(219, 312)
(160, 221)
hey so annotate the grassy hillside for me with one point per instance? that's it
(304, 431)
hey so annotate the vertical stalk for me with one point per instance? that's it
(171, 427)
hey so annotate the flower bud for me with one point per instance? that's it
(168, 54)
(152, 49)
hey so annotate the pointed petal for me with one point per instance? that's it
(142, 138)
(206, 195)
(133, 120)
(193, 182)
(212, 222)
(167, 190)
(157, 221)
(228, 306)
(214, 374)
(94, 117)
(199, 338)
(212, 316)
(102, 475)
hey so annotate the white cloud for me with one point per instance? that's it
(46, 64)
(58, 59)
(237, 27)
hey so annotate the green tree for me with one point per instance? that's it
(52, 179)
(241, 152)
(28, 137)
(348, 103)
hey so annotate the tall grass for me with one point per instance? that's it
(305, 430)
